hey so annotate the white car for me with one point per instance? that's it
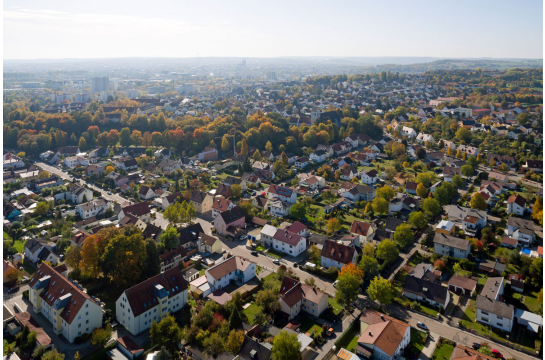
(335, 283)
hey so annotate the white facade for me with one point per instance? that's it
(327, 262)
(514, 208)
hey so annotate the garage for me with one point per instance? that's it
(461, 285)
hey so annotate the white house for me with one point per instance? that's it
(382, 337)
(77, 194)
(236, 269)
(516, 204)
(521, 230)
(296, 297)
(498, 314)
(140, 210)
(67, 306)
(408, 131)
(337, 255)
(302, 162)
(73, 161)
(92, 208)
(424, 138)
(451, 246)
(278, 208)
(283, 193)
(311, 181)
(267, 234)
(370, 177)
(151, 300)
(318, 156)
(289, 243)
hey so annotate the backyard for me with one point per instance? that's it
(443, 350)
(418, 339)
(251, 311)
(310, 326)
(349, 340)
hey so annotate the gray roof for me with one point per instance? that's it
(494, 306)
(451, 241)
(458, 213)
(522, 224)
(426, 289)
(492, 287)
(498, 266)
(92, 204)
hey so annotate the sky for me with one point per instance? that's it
(56, 29)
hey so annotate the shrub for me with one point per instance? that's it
(26, 294)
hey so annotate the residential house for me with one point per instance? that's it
(492, 268)
(370, 177)
(34, 248)
(235, 269)
(201, 201)
(491, 310)
(462, 285)
(67, 306)
(94, 170)
(312, 182)
(424, 290)
(248, 178)
(283, 193)
(349, 172)
(363, 231)
(140, 210)
(169, 165)
(267, 235)
(151, 300)
(289, 243)
(449, 173)
(171, 199)
(410, 187)
(92, 208)
(522, 230)
(318, 156)
(296, 297)
(146, 193)
(337, 255)
(359, 192)
(424, 138)
(209, 244)
(408, 131)
(221, 204)
(451, 246)
(231, 218)
(446, 227)
(536, 165)
(278, 208)
(382, 336)
(302, 162)
(516, 205)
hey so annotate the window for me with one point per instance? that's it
(499, 324)
(87, 313)
(499, 317)
(484, 312)
(79, 333)
(87, 321)
(79, 325)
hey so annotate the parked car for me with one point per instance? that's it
(422, 325)
(254, 253)
(276, 262)
(109, 192)
(497, 354)
(476, 346)
(335, 283)
(13, 289)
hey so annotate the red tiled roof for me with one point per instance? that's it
(360, 228)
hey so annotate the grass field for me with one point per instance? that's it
(337, 308)
(251, 311)
(417, 342)
(350, 340)
(443, 352)
(310, 326)
(530, 300)
(19, 245)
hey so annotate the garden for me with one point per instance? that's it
(443, 350)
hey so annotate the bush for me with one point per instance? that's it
(26, 294)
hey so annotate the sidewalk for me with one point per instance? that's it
(429, 347)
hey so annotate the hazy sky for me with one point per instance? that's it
(81, 29)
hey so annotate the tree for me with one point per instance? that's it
(268, 301)
(236, 190)
(73, 256)
(234, 341)
(284, 159)
(298, 211)
(53, 355)
(163, 354)
(369, 266)
(235, 320)
(286, 346)
(268, 146)
(467, 170)
(152, 261)
(458, 181)
(348, 285)
(403, 235)
(352, 269)
(44, 175)
(166, 333)
(38, 352)
(125, 137)
(123, 259)
(314, 254)
(418, 220)
(537, 211)
(478, 202)
(368, 209)
(380, 205)
(385, 192)
(257, 156)
(381, 291)
(244, 148)
(82, 144)
(214, 344)
(333, 225)
(89, 257)
(109, 169)
(280, 169)
(439, 264)
(169, 238)
(225, 144)
(100, 336)
(422, 191)
(136, 138)
(310, 281)
(41, 208)
(387, 251)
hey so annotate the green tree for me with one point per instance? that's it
(260, 319)
(268, 146)
(387, 250)
(467, 170)
(244, 148)
(348, 286)
(236, 190)
(225, 144)
(422, 191)
(100, 336)
(286, 346)
(166, 333)
(284, 159)
(477, 202)
(152, 261)
(380, 290)
(169, 238)
(268, 301)
(314, 254)
(123, 258)
(214, 344)
(53, 355)
(385, 192)
(234, 341)
(280, 169)
(370, 267)
(418, 220)
(235, 320)
(82, 144)
(333, 225)
(403, 235)
(298, 211)
(41, 208)
(163, 354)
(380, 205)
(458, 181)
(38, 352)
(257, 156)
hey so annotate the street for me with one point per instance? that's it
(65, 176)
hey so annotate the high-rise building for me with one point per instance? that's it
(99, 84)
(131, 93)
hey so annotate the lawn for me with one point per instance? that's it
(416, 259)
(310, 326)
(443, 352)
(251, 311)
(350, 340)
(260, 248)
(425, 308)
(6, 236)
(530, 300)
(417, 342)
(337, 308)
(273, 277)
(19, 245)
(469, 321)
(275, 254)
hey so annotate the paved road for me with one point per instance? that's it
(452, 333)
(56, 171)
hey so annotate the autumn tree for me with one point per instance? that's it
(73, 256)
(348, 285)
(101, 336)
(89, 258)
(136, 138)
(257, 156)
(82, 144)
(385, 192)
(333, 225)
(166, 333)
(478, 202)
(234, 341)
(123, 259)
(537, 211)
(380, 205)
(225, 144)
(125, 137)
(314, 254)
(268, 146)
(286, 346)
(236, 190)
(422, 191)
(44, 175)
(284, 159)
(244, 148)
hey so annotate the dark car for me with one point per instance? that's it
(13, 289)
(476, 346)
(294, 265)
(254, 253)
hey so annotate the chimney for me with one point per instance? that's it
(382, 316)
(370, 333)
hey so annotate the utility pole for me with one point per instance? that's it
(234, 146)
